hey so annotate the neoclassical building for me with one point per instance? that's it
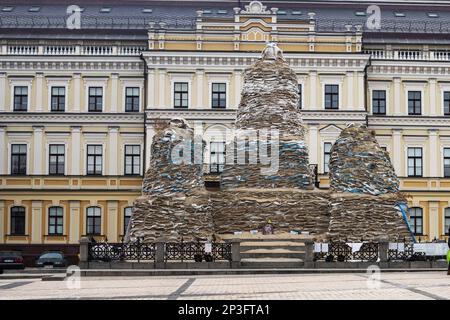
(78, 106)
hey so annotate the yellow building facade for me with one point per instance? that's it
(77, 170)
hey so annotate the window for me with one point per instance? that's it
(34, 9)
(446, 221)
(360, 13)
(94, 159)
(17, 221)
(105, 10)
(415, 162)
(219, 95)
(93, 221)
(296, 13)
(132, 99)
(399, 14)
(379, 102)
(180, 95)
(55, 221)
(299, 96)
(56, 159)
(126, 218)
(132, 159)
(447, 103)
(331, 96)
(95, 99)
(20, 98)
(416, 220)
(326, 156)
(19, 159)
(414, 103)
(147, 10)
(433, 15)
(446, 162)
(58, 99)
(217, 161)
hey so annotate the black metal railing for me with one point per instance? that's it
(196, 251)
(342, 251)
(136, 251)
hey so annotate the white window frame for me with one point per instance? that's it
(177, 77)
(301, 79)
(58, 82)
(132, 83)
(380, 86)
(98, 139)
(443, 87)
(424, 164)
(47, 221)
(212, 78)
(56, 138)
(415, 87)
(332, 80)
(88, 83)
(19, 138)
(20, 82)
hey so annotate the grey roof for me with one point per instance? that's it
(329, 17)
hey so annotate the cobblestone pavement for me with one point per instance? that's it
(399, 285)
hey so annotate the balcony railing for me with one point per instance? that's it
(408, 55)
(65, 50)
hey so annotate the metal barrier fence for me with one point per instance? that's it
(171, 251)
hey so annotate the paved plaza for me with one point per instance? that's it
(398, 285)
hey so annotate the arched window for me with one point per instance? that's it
(416, 220)
(18, 221)
(55, 221)
(126, 217)
(446, 221)
(93, 221)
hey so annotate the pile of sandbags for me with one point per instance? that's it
(269, 103)
(358, 164)
(367, 217)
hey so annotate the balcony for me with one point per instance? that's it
(408, 55)
(67, 50)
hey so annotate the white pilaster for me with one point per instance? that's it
(200, 89)
(237, 88)
(349, 105)
(2, 218)
(111, 231)
(36, 222)
(38, 149)
(113, 155)
(74, 216)
(75, 151)
(151, 89)
(313, 90)
(39, 92)
(397, 151)
(3, 83)
(162, 88)
(433, 220)
(313, 143)
(114, 91)
(434, 151)
(77, 92)
(397, 93)
(433, 105)
(3, 153)
(361, 95)
(149, 132)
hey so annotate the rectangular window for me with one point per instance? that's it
(127, 217)
(217, 155)
(94, 159)
(326, 156)
(58, 99)
(219, 95)
(131, 99)
(20, 98)
(55, 221)
(299, 96)
(415, 162)
(132, 159)
(180, 95)
(446, 221)
(447, 103)
(379, 101)
(95, 99)
(331, 96)
(447, 162)
(19, 159)
(93, 221)
(416, 220)
(56, 159)
(414, 103)
(18, 221)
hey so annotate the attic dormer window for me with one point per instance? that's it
(433, 15)
(296, 13)
(147, 10)
(105, 10)
(34, 9)
(7, 9)
(399, 14)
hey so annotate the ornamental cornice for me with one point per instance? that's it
(70, 118)
(424, 122)
(410, 68)
(74, 66)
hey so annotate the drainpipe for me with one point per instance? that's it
(145, 113)
(366, 88)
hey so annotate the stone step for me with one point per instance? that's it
(293, 246)
(271, 263)
(272, 253)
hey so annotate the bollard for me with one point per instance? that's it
(159, 254)
(383, 248)
(309, 254)
(235, 253)
(84, 252)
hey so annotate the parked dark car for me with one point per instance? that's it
(51, 259)
(11, 260)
